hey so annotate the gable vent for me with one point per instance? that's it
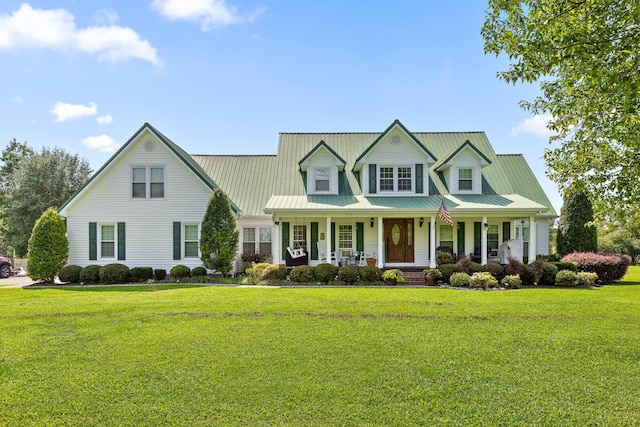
(149, 145)
(395, 140)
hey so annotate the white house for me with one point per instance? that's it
(395, 196)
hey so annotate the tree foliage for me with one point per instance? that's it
(48, 247)
(576, 233)
(585, 55)
(35, 181)
(219, 236)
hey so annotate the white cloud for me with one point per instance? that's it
(208, 12)
(55, 29)
(64, 111)
(105, 120)
(536, 125)
(18, 99)
(102, 143)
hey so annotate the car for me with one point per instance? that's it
(5, 267)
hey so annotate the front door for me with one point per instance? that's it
(398, 236)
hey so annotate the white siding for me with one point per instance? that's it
(542, 237)
(466, 159)
(322, 159)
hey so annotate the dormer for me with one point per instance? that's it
(462, 169)
(321, 166)
(395, 164)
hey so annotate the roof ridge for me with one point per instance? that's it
(378, 133)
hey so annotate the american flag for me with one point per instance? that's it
(443, 214)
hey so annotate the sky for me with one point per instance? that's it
(227, 76)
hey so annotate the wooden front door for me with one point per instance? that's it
(398, 236)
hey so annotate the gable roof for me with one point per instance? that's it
(321, 144)
(467, 144)
(173, 147)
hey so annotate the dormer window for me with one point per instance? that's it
(396, 179)
(322, 179)
(465, 179)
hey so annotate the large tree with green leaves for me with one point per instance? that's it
(219, 236)
(585, 55)
(48, 247)
(35, 182)
(576, 233)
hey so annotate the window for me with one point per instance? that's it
(191, 241)
(465, 181)
(322, 180)
(396, 178)
(107, 241)
(248, 240)
(492, 239)
(147, 181)
(300, 237)
(446, 236)
(345, 236)
(265, 241)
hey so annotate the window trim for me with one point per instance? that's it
(396, 179)
(185, 241)
(470, 179)
(305, 237)
(147, 181)
(114, 241)
(326, 170)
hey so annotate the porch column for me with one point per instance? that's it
(380, 244)
(275, 251)
(483, 245)
(532, 239)
(328, 240)
(432, 243)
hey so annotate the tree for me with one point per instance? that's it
(585, 55)
(576, 232)
(42, 179)
(219, 236)
(48, 247)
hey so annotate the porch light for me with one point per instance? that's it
(486, 225)
(421, 221)
(372, 222)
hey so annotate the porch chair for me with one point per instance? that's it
(322, 254)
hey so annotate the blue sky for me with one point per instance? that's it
(226, 76)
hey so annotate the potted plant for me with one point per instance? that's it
(393, 276)
(431, 276)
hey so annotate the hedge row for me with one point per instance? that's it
(305, 274)
(119, 273)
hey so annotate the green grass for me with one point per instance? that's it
(253, 356)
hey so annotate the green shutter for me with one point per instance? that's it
(372, 179)
(477, 238)
(333, 237)
(93, 241)
(360, 236)
(460, 229)
(419, 178)
(314, 240)
(177, 240)
(122, 244)
(285, 238)
(506, 231)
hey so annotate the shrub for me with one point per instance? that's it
(513, 282)
(274, 272)
(255, 258)
(140, 274)
(370, 274)
(566, 278)
(179, 272)
(447, 270)
(542, 272)
(587, 279)
(348, 274)
(495, 269)
(160, 273)
(48, 247)
(302, 274)
(70, 274)
(393, 275)
(514, 268)
(608, 267)
(114, 273)
(468, 266)
(90, 274)
(461, 280)
(483, 280)
(443, 258)
(325, 273)
(573, 266)
(198, 271)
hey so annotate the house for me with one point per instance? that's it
(395, 196)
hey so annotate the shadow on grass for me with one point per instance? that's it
(113, 288)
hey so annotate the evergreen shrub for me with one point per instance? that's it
(325, 273)
(370, 274)
(566, 278)
(160, 273)
(179, 272)
(348, 274)
(302, 274)
(70, 274)
(460, 280)
(198, 271)
(90, 274)
(447, 270)
(140, 274)
(274, 272)
(113, 274)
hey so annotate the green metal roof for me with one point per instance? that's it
(322, 144)
(437, 167)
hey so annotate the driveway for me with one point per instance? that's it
(15, 282)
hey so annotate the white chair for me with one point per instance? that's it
(322, 254)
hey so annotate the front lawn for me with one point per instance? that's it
(124, 356)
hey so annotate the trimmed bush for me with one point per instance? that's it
(572, 266)
(255, 258)
(443, 258)
(274, 272)
(179, 272)
(140, 274)
(514, 268)
(198, 272)
(460, 280)
(325, 273)
(370, 274)
(302, 274)
(115, 273)
(348, 274)
(160, 273)
(608, 267)
(90, 274)
(48, 247)
(70, 274)
(542, 272)
(587, 279)
(566, 278)
(495, 269)
(483, 280)
(513, 282)
(468, 266)
(447, 270)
